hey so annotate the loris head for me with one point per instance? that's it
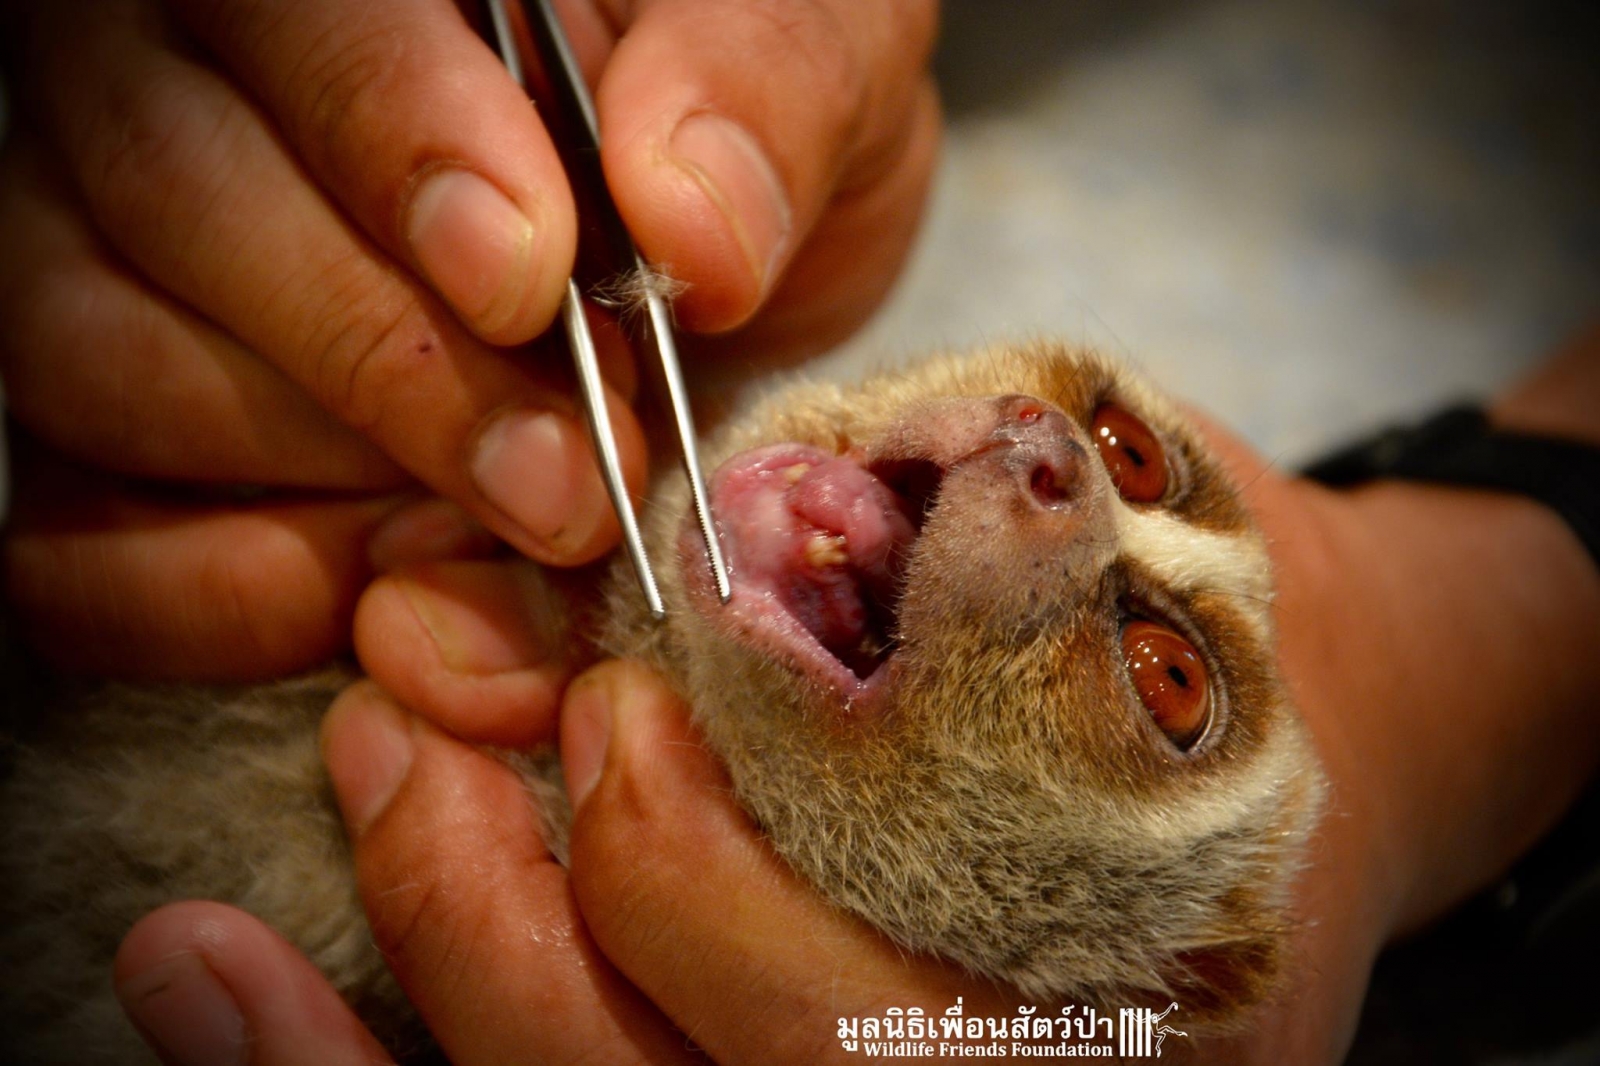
(998, 674)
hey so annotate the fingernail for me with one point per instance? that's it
(376, 737)
(185, 1010)
(586, 731)
(474, 245)
(429, 531)
(729, 165)
(489, 621)
(536, 468)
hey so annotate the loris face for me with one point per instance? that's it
(998, 674)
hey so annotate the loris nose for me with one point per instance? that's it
(1043, 450)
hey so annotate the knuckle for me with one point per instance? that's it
(863, 66)
(347, 76)
(900, 40)
(225, 593)
(812, 34)
(434, 924)
(264, 600)
(332, 81)
(48, 329)
(898, 147)
(634, 926)
(622, 821)
(160, 128)
(399, 912)
(816, 44)
(362, 350)
(45, 315)
(428, 933)
(163, 169)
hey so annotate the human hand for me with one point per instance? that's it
(273, 244)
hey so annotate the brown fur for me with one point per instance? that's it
(1004, 802)
(1010, 808)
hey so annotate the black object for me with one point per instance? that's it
(1460, 447)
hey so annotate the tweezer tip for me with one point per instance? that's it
(708, 525)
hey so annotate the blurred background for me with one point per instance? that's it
(1309, 216)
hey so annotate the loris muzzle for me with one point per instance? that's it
(997, 676)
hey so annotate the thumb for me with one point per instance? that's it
(206, 984)
(688, 900)
(724, 149)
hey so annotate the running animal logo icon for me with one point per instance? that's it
(1141, 1031)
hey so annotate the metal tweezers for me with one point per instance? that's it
(571, 120)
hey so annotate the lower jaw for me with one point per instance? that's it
(753, 622)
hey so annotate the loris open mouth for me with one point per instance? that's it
(817, 548)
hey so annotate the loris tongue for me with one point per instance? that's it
(823, 537)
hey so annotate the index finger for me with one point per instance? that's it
(409, 120)
(192, 185)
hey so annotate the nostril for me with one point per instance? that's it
(1047, 487)
(1055, 472)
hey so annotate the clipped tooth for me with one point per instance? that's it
(794, 473)
(824, 550)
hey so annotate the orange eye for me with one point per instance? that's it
(1131, 452)
(1170, 678)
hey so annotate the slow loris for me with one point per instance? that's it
(997, 676)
